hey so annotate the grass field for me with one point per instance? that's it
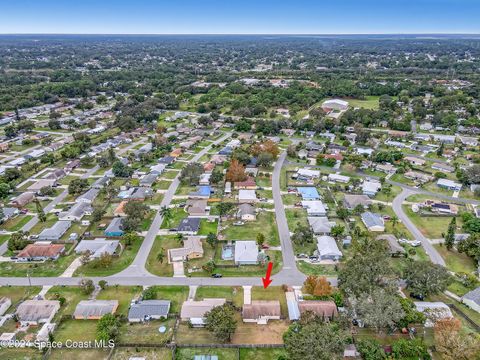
(47, 268)
(72, 294)
(79, 354)
(147, 332)
(311, 269)
(124, 295)
(222, 354)
(176, 294)
(295, 216)
(431, 226)
(161, 244)
(234, 294)
(265, 224)
(125, 353)
(118, 263)
(261, 354)
(456, 261)
(19, 293)
(76, 330)
(371, 102)
(16, 223)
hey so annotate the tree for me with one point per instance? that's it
(190, 174)
(236, 172)
(337, 230)
(303, 235)
(426, 278)
(167, 214)
(54, 124)
(212, 239)
(209, 267)
(77, 186)
(450, 236)
(225, 207)
(161, 255)
(18, 240)
(265, 159)
(452, 343)
(318, 286)
(313, 339)
(180, 238)
(87, 286)
(217, 176)
(380, 309)
(130, 238)
(260, 239)
(394, 220)
(107, 327)
(102, 284)
(370, 349)
(150, 293)
(471, 247)
(292, 151)
(368, 268)
(136, 209)
(98, 213)
(4, 190)
(41, 214)
(410, 349)
(121, 170)
(221, 322)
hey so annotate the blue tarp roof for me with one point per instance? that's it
(308, 193)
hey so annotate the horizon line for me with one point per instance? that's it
(248, 34)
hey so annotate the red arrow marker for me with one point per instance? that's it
(266, 280)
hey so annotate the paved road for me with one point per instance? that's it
(137, 268)
(281, 218)
(397, 208)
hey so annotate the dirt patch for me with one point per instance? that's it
(272, 333)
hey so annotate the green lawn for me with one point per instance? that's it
(19, 293)
(314, 269)
(76, 330)
(207, 227)
(456, 261)
(189, 353)
(47, 268)
(16, 223)
(371, 102)
(124, 295)
(295, 216)
(430, 226)
(176, 294)
(177, 215)
(72, 294)
(265, 224)
(234, 294)
(118, 263)
(153, 265)
(261, 354)
(147, 332)
(126, 353)
(79, 354)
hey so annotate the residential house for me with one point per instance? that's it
(189, 225)
(146, 310)
(314, 207)
(34, 312)
(40, 184)
(192, 249)
(246, 252)
(394, 248)
(97, 247)
(433, 311)
(247, 196)
(308, 193)
(55, 232)
(167, 160)
(307, 174)
(94, 309)
(414, 160)
(386, 168)
(120, 209)
(352, 201)
(114, 228)
(148, 180)
(418, 176)
(441, 207)
(57, 174)
(373, 222)
(338, 178)
(9, 213)
(76, 212)
(324, 309)
(320, 225)
(370, 188)
(327, 248)
(443, 167)
(88, 196)
(23, 199)
(204, 179)
(40, 251)
(472, 299)
(261, 311)
(246, 212)
(141, 193)
(449, 184)
(248, 184)
(197, 207)
(194, 311)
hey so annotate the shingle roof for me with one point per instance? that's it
(149, 308)
(473, 295)
(261, 308)
(95, 308)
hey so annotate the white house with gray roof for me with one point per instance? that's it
(373, 222)
(472, 299)
(97, 247)
(55, 232)
(145, 310)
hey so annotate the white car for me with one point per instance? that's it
(403, 241)
(416, 243)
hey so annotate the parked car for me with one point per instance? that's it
(416, 243)
(403, 241)
(23, 211)
(302, 256)
(417, 296)
(238, 223)
(217, 276)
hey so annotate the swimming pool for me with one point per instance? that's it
(227, 252)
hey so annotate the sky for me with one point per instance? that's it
(239, 16)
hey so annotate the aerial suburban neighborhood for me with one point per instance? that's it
(239, 197)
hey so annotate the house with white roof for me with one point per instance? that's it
(246, 252)
(314, 207)
(371, 188)
(338, 178)
(327, 248)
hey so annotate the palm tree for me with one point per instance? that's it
(161, 255)
(394, 220)
(167, 215)
(180, 238)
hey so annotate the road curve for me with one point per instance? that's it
(435, 257)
